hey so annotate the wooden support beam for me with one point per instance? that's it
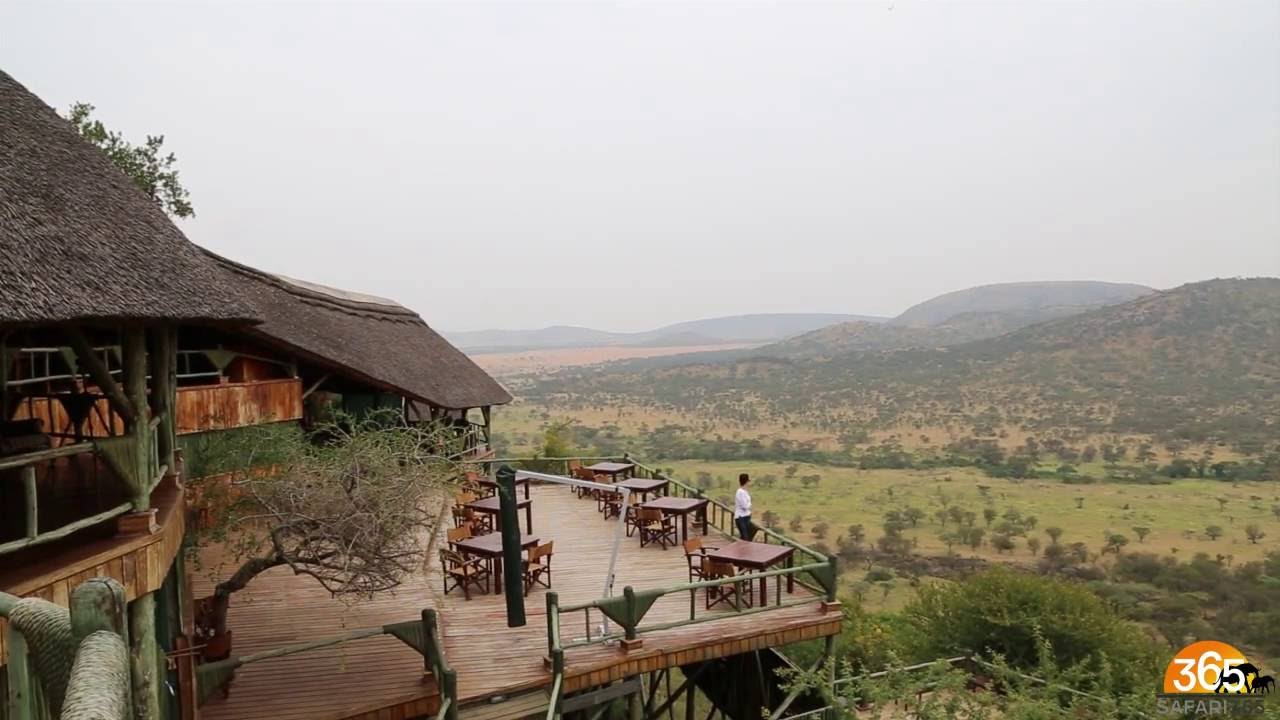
(4, 376)
(164, 380)
(134, 350)
(90, 361)
(316, 385)
(29, 490)
(688, 687)
(144, 658)
(605, 695)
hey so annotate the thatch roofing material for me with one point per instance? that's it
(79, 241)
(372, 339)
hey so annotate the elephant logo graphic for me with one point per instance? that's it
(1213, 667)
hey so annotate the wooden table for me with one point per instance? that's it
(755, 556)
(612, 469)
(682, 507)
(492, 506)
(644, 487)
(489, 547)
(493, 483)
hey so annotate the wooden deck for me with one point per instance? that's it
(490, 659)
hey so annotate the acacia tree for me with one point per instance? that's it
(147, 165)
(353, 504)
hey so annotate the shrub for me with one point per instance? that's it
(1001, 611)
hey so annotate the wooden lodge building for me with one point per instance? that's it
(121, 342)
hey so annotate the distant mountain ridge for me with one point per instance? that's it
(976, 313)
(1054, 298)
(1195, 363)
(761, 327)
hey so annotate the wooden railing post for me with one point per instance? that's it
(29, 489)
(429, 637)
(553, 622)
(21, 701)
(630, 621)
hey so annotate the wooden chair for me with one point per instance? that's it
(454, 535)
(584, 474)
(732, 593)
(463, 572)
(694, 554)
(656, 527)
(481, 523)
(609, 503)
(633, 520)
(537, 568)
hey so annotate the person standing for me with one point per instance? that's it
(742, 507)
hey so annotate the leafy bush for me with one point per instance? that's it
(1001, 611)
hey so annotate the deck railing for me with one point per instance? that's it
(628, 610)
(26, 463)
(423, 635)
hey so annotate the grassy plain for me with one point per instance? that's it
(523, 362)
(1177, 513)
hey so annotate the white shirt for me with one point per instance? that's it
(742, 503)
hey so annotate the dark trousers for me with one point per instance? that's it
(744, 527)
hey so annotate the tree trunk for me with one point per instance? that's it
(216, 609)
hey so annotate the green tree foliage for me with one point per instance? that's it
(1006, 613)
(1254, 533)
(1213, 532)
(150, 168)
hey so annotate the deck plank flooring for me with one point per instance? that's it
(489, 658)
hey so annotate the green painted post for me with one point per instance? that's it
(21, 699)
(512, 572)
(553, 621)
(629, 595)
(835, 576)
(143, 658)
(429, 638)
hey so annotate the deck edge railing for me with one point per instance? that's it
(32, 535)
(423, 635)
(629, 609)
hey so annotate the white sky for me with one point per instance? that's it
(624, 166)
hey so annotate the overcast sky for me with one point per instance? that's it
(625, 166)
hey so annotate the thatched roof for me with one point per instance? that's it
(79, 241)
(372, 339)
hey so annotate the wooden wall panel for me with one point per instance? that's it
(232, 405)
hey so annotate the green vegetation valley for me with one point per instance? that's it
(1124, 446)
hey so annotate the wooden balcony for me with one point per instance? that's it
(231, 405)
(381, 677)
(139, 561)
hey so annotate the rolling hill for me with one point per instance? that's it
(959, 317)
(762, 328)
(1038, 300)
(1197, 362)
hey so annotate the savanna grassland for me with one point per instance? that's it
(1134, 449)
